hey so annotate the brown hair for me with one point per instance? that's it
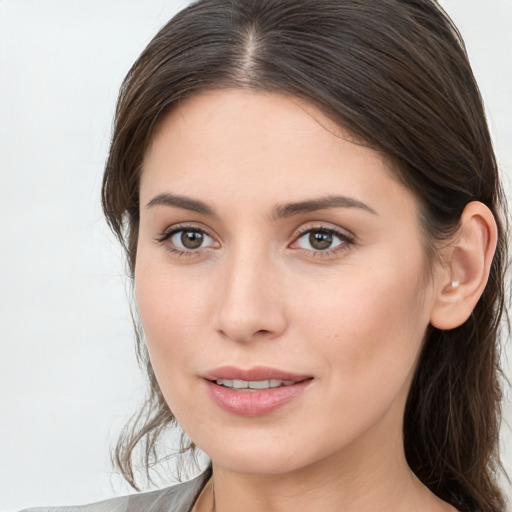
(394, 73)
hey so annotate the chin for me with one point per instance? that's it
(268, 457)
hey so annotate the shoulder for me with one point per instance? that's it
(177, 498)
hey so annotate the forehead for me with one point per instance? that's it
(232, 142)
(256, 116)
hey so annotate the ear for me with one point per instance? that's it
(468, 259)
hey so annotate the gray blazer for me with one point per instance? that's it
(177, 498)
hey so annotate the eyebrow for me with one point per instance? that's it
(186, 203)
(324, 203)
(278, 212)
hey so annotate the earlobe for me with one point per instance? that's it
(468, 259)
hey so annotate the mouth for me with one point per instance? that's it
(253, 385)
(254, 392)
(256, 374)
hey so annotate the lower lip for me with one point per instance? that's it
(255, 403)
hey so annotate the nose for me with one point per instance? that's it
(251, 300)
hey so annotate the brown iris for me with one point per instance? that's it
(192, 239)
(320, 240)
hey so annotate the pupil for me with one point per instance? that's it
(320, 240)
(191, 239)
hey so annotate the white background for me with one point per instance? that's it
(68, 375)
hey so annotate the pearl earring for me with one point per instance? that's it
(455, 284)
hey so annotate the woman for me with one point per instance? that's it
(309, 201)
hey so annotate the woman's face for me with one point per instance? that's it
(277, 254)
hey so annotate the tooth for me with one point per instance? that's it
(253, 384)
(259, 384)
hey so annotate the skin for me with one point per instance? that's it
(256, 292)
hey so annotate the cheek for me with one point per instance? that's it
(171, 314)
(369, 327)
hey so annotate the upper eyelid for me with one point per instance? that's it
(176, 228)
(322, 226)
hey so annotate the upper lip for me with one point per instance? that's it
(255, 373)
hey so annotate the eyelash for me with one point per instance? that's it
(169, 233)
(346, 240)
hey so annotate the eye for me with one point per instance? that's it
(186, 240)
(189, 239)
(322, 240)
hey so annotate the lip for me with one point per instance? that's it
(254, 373)
(254, 403)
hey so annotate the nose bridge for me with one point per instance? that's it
(250, 302)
